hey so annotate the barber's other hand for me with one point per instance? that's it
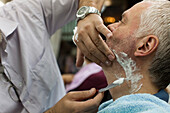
(90, 43)
(76, 102)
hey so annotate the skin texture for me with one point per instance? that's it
(139, 50)
(90, 43)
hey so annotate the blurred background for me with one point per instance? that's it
(63, 46)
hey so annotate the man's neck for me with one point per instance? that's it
(144, 85)
(148, 86)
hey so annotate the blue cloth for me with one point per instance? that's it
(162, 94)
(135, 103)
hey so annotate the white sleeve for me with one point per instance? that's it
(53, 13)
(58, 13)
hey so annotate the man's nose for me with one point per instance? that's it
(113, 26)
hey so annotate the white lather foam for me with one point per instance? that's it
(130, 69)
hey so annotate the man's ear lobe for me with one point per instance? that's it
(146, 45)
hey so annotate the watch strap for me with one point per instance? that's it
(89, 11)
(94, 10)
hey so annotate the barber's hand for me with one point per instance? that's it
(90, 43)
(76, 102)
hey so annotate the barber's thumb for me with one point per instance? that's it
(84, 95)
(80, 58)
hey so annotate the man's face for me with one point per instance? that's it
(123, 39)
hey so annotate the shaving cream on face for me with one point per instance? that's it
(130, 70)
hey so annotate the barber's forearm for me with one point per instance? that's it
(50, 111)
(95, 3)
(53, 110)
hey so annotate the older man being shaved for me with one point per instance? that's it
(141, 44)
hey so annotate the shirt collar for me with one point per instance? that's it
(162, 94)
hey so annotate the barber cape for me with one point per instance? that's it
(135, 103)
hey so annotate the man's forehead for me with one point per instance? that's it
(139, 7)
(136, 9)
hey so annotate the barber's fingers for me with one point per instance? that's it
(82, 101)
(80, 58)
(101, 28)
(91, 105)
(105, 54)
(95, 102)
(82, 95)
(88, 48)
(95, 45)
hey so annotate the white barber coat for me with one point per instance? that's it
(27, 55)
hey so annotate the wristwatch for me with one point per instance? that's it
(85, 10)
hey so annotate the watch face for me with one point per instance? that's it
(82, 11)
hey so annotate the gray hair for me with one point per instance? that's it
(155, 20)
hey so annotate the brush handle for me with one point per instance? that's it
(108, 87)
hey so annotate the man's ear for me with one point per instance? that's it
(146, 45)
